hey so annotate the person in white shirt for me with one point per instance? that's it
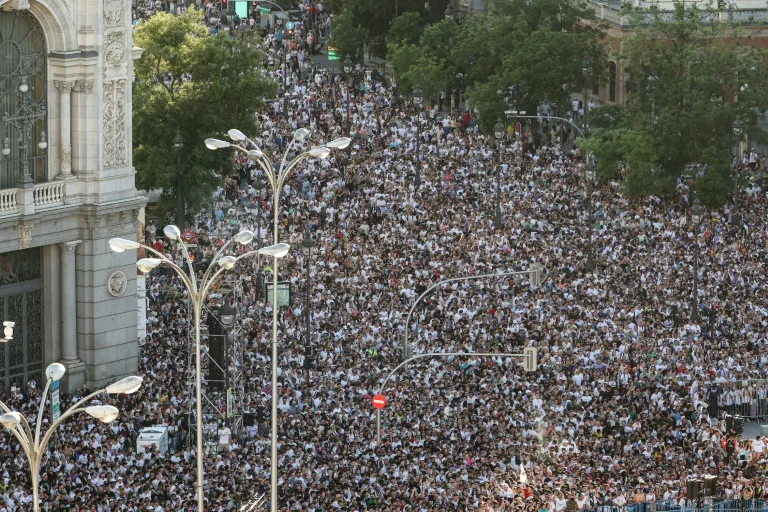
(758, 447)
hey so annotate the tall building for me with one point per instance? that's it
(67, 186)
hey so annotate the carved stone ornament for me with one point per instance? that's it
(25, 236)
(114, 124)
(117, 283)
(16, 5)
(114, 13)
(66, 159)
(85, 86)
(64, 85)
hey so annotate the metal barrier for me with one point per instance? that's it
(746, 398)
(716, 505)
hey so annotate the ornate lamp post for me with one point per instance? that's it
(276, 176)
(697, 214)
(417, 95)
(198, 292)
(499, 130)
(307, 244)
(34, 446)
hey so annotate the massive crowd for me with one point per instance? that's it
(625, 406)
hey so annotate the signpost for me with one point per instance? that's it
(379, 402)
(333, 53)
(55, 405)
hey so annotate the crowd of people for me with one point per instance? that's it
(628, 399)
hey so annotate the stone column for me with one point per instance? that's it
(65, 117)
(81, 166)
(75, 368)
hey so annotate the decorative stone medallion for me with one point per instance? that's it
(117, 283)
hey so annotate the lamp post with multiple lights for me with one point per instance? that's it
(418, 102)
(499, 131)
(198, 292)
(307, 244)
(34, 446)
(276, 176)
(738, 131)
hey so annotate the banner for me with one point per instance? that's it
(141, 306)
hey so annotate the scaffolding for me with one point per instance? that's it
(222, 397)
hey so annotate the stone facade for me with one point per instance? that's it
(89, 194)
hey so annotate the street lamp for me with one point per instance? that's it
(586, 66)
(198, 292)
(499, 131)
(738, 131)
(276, 177)
(697, 214)
(307, 244)
(33, 446)
(590, 175)
(178, 143)
(417, 95)
(348, 76)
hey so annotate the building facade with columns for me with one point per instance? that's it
(66, 187)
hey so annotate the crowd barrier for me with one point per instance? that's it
(746, 398)
(716, 505)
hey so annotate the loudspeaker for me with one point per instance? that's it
(738, 425)
(216, 358)
(710, 486)
(693, 489)
(728, 423)
(249, 419)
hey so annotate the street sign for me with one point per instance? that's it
(188, 236)
(379, 402)
(264, 10)
(290, 25)
(55, 404)
(333, 53)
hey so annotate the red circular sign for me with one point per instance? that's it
(379, 401)
(188, 236)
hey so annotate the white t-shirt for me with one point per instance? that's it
(758, 445)
(224, 435)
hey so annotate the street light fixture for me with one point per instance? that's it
(197, 293)
(738, 131)
(499, 131)
(276, 176)
(307, 244)
(35, 446)
(697, 215)
(417, 95)
(589, 174)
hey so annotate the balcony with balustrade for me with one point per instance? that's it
(746, 12)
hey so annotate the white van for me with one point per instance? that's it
(153, 436)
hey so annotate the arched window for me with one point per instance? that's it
(23, 99)
(612, 82)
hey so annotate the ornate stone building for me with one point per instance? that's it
(67, 186)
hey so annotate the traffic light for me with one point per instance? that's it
(530, 359)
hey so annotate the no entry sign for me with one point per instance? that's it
(379, 402)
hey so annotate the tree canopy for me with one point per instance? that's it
(196, 85)
(537, 46)
(691, 77)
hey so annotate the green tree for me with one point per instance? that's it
(348, 36)
(538, 46)
(196, 85)
(406, 28)
(690, 79)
